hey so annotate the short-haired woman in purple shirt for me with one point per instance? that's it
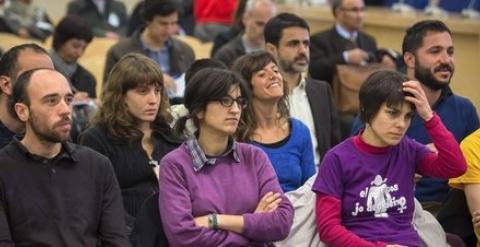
(365, 186)
(215, 191)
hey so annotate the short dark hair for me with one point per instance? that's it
(381, 87)
(208, 85)
(19, 91)
(202, 64)
(9, 60)
(160, 7)
(274, 28)
(71, 27)
(415, 34)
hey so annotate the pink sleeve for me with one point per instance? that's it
(330, 228)
(449, 162)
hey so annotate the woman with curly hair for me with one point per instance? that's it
(266, 122)
(131, 127)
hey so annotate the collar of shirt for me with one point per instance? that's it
(447, 91)
(67, 152)
(249, 48)
(344, 33)
(302, 84)
(161, 57)
(66, 69)
(200, 158)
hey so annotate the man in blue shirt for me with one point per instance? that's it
(428, 54)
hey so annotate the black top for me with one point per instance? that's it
(6, 135)
(131, 163)
(84, 81)
(72, 199)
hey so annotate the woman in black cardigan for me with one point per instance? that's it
(131, 128)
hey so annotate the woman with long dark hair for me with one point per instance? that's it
(131, 127)
(267, 124)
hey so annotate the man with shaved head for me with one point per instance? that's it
(53, 192)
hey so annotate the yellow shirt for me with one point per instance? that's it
(471, 151)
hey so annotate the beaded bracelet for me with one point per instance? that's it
(212, 221)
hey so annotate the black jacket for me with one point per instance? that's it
(327, 49)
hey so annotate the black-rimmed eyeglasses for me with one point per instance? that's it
(228, 100)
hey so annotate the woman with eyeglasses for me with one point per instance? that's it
(365, 185)
(215, 191)
(131, 128)
(266, 122)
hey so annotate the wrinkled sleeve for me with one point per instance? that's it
(176, 213)
(449, 162)
(272, 226)
(330, 228)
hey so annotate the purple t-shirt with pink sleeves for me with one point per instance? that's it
(376, 189)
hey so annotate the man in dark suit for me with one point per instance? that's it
(344, 43)
(107, 18)
(287, 37)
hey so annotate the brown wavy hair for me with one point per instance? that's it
(247, 66)
(131, 71)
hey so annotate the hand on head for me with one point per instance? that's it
(418, 98)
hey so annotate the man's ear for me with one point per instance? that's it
(271, 48)
(23, 112)
(6, 85)
(409, 59)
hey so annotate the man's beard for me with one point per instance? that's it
(425, 76)
(292, 67)
(44, 134)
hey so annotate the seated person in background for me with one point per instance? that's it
(470, 181)
(215, 191)
(70, 39)
(27, 20)
(365, 184)
(156, 41)
(257, 14)
(107, 18)
(266, 122)
(212, 17)
(14, 62)
(131, 128)
(345, 43)
(236, 28)
(287, 37)
(55, 193)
